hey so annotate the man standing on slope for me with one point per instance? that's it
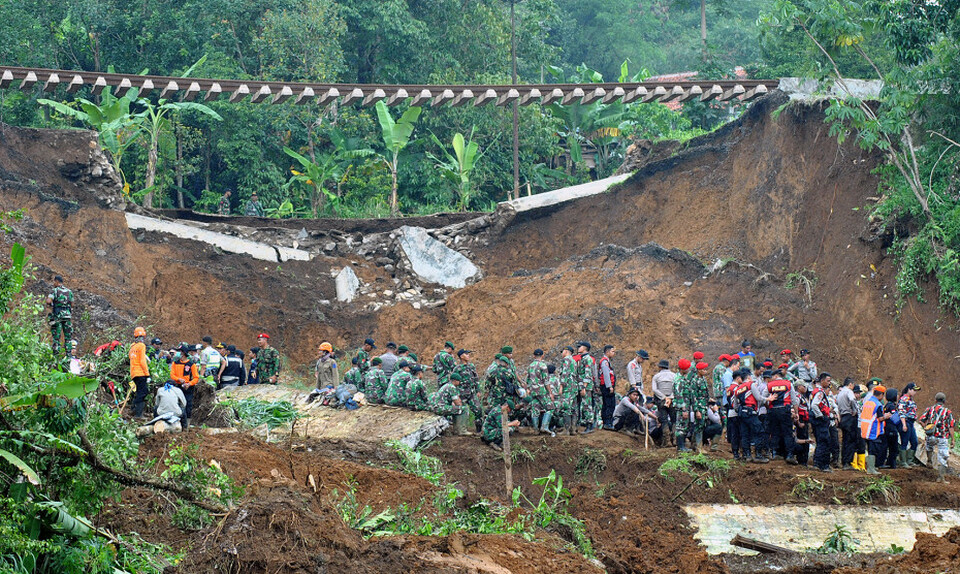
(61, 313)
(635, 371)
(662, 387)
(608, 384)
(139, 370)
(268, 361)
(940, 437)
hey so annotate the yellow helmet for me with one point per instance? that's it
(139, 332)
(325, 346)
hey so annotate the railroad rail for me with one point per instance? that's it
(205, 89)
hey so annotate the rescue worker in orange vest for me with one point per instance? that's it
(139, 370)
(751, 431)
(781, 412)
(185, 374)
(872, 422)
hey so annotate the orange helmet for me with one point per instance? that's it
(325, 346)
(139, 332)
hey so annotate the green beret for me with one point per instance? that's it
(456, 377)
(449, 345)
(506, 349)
(376, 361)
(403, 348)
(877, 380)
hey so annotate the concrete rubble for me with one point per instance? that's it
(432, 261)
(347, 285)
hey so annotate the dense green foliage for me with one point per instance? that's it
(914, 47)
(186, 158)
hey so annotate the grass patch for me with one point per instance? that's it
(839, 541)
(806, 487)
(254, 412)
(878, 487)
(591, 461)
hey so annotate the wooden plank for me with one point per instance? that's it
(574, 94)
(213, 93)
(29, 81)
(422, 98)
(758, 546)
(53, 80)
(462, 98)
(398, 97)
(6, 78)
(98, 85)
(285, 94)
(442, 98)
(593, 96)
(171, 88)
(354, 95)
(374, 97)
(613, 95)
(263, 93)
(732, 93)
(329, 96)
(507, 457)
(485, 97)
(76, 82)
(305, 97)
(639, 93)
(241, 92)
(193, 90)
(713, 93)
(508, 97)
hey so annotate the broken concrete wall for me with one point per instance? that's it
(432, 261)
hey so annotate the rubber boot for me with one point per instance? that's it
(910, 458)
(698, 442)
(930, 459)
(588, 429)
(186, 424)
(545, 425)
(942, 474)
(861, 462)
(760, 458)
(460, 423)
(901, 458)
(871, 464)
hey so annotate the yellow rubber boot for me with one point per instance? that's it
(860, 462)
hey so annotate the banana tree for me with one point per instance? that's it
(326, 166)
(457, 168)
(396, 136)
(116, 126)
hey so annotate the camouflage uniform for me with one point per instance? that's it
(719, 391)
(589, 413)
(537, 384)
(567, 378)
(441, 402)
(375, 382)
(223, 208)
(268, 365)
(680, 402)
(493, 426)
(697, 394)
(417, 394)
(443, 366)
(355, 377)
(502, 385)
(60, 316)
(363, 361)
(470, 390)
(396, 394)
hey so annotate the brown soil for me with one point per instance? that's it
(930, 554)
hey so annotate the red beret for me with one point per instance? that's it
(683, 364)
(723, 357)
(697, 356)
(702, 365)
(263, 336)
(768, 363)
(786, 352)
(783, 366)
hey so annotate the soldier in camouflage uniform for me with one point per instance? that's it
(444, 364)
(268, 361)
(718, 391)
(507, 352)
(446, 400)
(61, 313)
(541, 395)
(375, 381)
(503, 383)
(363, 356)
(470, 387)
(223, 208)
(680, 395)
(417, 390)
(587, 375)
(569, 391)
(698, 396)
(492, 433)
(396, 394)
(354, 376)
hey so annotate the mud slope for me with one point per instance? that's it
(777, 196)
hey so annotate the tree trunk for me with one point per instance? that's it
(151, 175)
(703, 27)
(178, 170)
(393, 188)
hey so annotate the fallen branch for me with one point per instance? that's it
(689, 484)
(758, 546)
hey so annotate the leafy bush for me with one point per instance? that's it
(254, 412)
(591, 461)
(839, 541)
(206, 479)
(878, 486)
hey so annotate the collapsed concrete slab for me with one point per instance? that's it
(433, 262)
(347, 285)
(375, 424)
(229, 243)
(802, 528)
(562, 195)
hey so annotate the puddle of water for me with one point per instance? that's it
(804, 527)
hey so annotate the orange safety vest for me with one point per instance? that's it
(138, 361)
(185, 374)
(871, 428)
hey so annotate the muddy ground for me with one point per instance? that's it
(632, 513)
